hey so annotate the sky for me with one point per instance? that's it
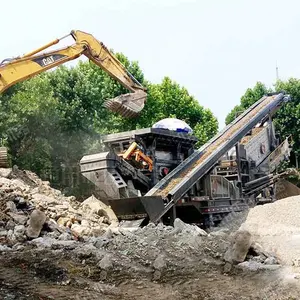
(215, 48)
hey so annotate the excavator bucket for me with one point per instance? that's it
(127, 105)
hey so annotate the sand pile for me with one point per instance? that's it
(276, 226)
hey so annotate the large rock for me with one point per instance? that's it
(53, 227)
(239, 247)
(259, 250)
(19, 232)
(36, 222)
(93, 205)
(249, 266)
(4, 248)
(80, 230)
(10, 225)
(180, 226)
(3, 233)
(68, 245)
(11, 206)
(105, 263)
(19, 218)
(271, 261)
(43, 242)
(254, 266)
(5, 172)
(46, 200)
(159, 263)
(62, 221)
(65, 237)
(85, 251)
(11, 238)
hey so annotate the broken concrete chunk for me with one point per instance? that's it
(4, 248)
(68, 245)
(5, 172)
(93, 205)
(62, 221)
(255, 266)
(240, 244)
(3, 233)
(36, 222)
(105, 263)
(19, 218)
(53, 227)
(249, 266)
(10, 225)
(271, 261)
(43, 242)
(180, 226)
(85, 251)
(227, 267)
(19, 232)
(80, 230)
(85, 223)
(45, 199)
(159, 263)
(11, 206)
(4, 181)
(11, 237)
(98, 230)
(258, 249)
(65, 237)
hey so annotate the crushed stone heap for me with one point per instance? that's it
(276, 226)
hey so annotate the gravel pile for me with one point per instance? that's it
(276, 226)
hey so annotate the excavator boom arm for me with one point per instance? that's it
(35, 62)
(26, 67)
(98, 53)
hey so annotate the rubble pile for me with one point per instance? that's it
(35, 215)
(30, 208)
(276, 226)
(246, 254)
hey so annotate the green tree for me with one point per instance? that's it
(169, 99)
(32, 118)
(50, 121)
(287, 119)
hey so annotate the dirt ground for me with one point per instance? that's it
(154, 262)
(32, 274)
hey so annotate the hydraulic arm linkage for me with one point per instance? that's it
(18, 69)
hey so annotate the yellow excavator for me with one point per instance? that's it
(20, 68)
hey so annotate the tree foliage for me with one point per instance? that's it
(169, 100)
(287, 118)
(52, 120)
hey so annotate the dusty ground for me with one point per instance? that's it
(154, 262)
(36, 274)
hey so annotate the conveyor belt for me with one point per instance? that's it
(184, 176)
